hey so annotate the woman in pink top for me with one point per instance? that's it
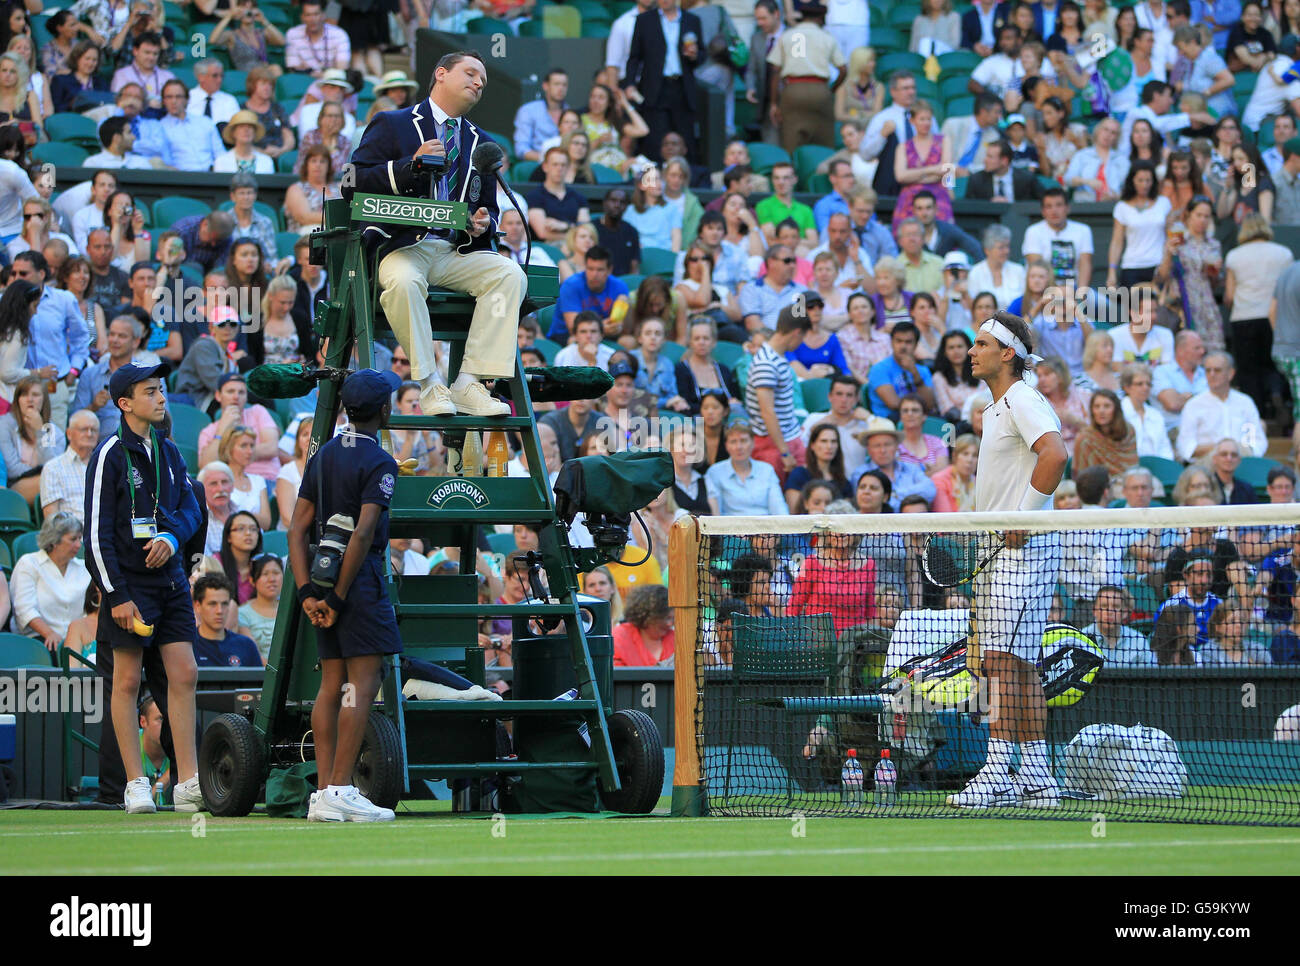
(917, 446)
(645, 638)
(954, 485)
(836, 580)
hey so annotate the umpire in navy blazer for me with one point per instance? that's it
(412, 259)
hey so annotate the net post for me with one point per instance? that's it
(684, 597)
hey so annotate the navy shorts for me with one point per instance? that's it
(368, 624)
(169, 608)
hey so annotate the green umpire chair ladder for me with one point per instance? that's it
(411, 741)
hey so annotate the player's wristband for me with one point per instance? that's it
(335, 602)
(307, 591)
(1033, 500)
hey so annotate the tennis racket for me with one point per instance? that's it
(953, 559)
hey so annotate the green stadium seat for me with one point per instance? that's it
(176, 16)
(658, 261)
(673, 351)
(24, 544)
(1165, 471)
(502, 543)
(190, 455)
(959, 106)
(187, 423)
(167, 211)
(953, 87)
(287, 162)
(529, 28)
(18, 651)
(595, 28)
(592, 10)
(235, 81)
(6, 558)
(276, 542)
(184, 73)
(275, 214)
(728, 353)
(806, 159)
(901, 16)
(958, 61)
(560, 22)
(544, 316)
(15, 514)
(885, 39)
(632, 281)
(816, 395)
(545, 346)
(75, 128)
(555, 251)
(506, 142)
(764, 156)
(522, 170)
(60, 154)
(928, 90)
(284, 242)
(278, 17)
(291, 87)
(959, 186)
(607, 175)
(899, 60)
(1254, 470)
(819, 184)
(486, 26)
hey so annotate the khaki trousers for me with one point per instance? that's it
(497, 283)
(807, 115)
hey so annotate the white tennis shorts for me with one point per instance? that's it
(1014, 596)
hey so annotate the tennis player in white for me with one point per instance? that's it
(1021, 461)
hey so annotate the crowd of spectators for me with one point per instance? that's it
(802, 352)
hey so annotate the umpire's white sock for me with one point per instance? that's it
(463, 381)
(998, 763)
(1033, 761)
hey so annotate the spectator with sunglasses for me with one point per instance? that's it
(209, 359)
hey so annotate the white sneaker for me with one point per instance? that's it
(475, 400)
(188, 796)
(349, 805)
(430, 691)
(138, 797)
(436, 401)
(1037, 791)
(311, 807)
(985, 790)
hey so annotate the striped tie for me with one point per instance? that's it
(451, 140)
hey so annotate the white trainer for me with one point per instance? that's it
(985, 790)
(1037, 791)
(475, 400)
(311, 806)
(188, 796)
(349, 805)
(138, 797)
(436, 401)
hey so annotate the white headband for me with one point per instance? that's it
(1004, 335)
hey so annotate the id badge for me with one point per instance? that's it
(144, 528)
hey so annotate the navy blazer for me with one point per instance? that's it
(649, 51)
(970, 25)
(381, 165)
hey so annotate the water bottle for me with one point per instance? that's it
(851, 780)
(886, 781)
(583, 733)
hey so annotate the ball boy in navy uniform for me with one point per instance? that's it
(140, 510)
(355, 623)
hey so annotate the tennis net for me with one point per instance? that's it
(1144, 664)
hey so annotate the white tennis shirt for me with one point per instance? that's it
(1012, 426)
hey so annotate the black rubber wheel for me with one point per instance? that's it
(639, 757)
(232, 765)
(378, 774)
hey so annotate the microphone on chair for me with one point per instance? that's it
(488, 160)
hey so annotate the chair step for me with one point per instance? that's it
(459, 423)
(483, 610)
(500, 709)
(483, 518)
(497, 767)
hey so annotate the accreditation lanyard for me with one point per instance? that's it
(157, 477)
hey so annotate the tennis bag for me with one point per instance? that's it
(1110, 762)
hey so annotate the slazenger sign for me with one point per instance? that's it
(458, 490)
(409, 211)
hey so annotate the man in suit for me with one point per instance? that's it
(660, 75)
(969, 134)
(999, 181)
(980, 25)
(767, 34)
(414, 258)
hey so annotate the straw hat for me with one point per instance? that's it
(242, 117)
(876, 426)
(395, 78)
(336, 77)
